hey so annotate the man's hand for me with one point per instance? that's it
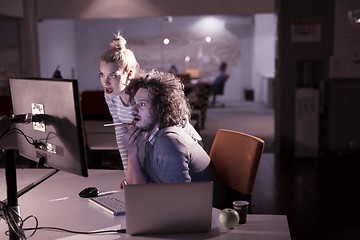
(134, 173)
(131, 139)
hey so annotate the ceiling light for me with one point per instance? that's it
(166, 41)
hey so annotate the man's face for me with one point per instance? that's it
(143, 111)
(112, 78)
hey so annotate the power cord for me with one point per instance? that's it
(16, 223)
(30, 140)
(76, 232)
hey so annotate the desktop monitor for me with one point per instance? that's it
(57, 139)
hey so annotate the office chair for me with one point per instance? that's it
(199, 103)
(236, 158)
(5, 106)
(93, 106)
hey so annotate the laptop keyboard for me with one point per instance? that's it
(110, 204)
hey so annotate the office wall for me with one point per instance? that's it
(57, 47)
(292, 49)
(11, 8)
(10, 53)
(263, 67)
(232, 41)
(346, 57)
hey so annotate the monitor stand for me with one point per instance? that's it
(11, 185)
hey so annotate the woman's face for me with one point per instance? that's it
(113, 79)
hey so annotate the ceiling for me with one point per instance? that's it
(102, 9)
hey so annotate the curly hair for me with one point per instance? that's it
(168, 97)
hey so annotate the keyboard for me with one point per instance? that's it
(110, 204)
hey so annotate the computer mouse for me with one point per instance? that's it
(89, 192)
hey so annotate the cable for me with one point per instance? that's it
(14, 220)
(76, 232)
(16, 223)
(11, 216)
(12, 130)
(30, 140)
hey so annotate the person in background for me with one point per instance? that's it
(118, 66)
(159, 149)
(173, 70)
(219, 83)
(57, 73)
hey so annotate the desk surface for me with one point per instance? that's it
(100, 137)
(24, 178)
(56, 203)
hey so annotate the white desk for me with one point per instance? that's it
(100, 137)
(56, 203)
(24, 178)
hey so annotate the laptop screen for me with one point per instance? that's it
(168, 208)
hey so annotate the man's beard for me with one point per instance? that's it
(149, 127)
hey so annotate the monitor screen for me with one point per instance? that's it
(57, 140)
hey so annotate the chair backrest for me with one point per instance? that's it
(226, 78)
(236, 158)
(93, 106)
(5, 105)
(202, 91)
(184, 77)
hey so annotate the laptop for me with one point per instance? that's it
(164, 208)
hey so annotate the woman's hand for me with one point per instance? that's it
(122, 184)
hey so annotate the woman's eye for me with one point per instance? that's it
(113, 76)
(142, 104)
(101, 75)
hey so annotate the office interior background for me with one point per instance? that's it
(296, 58)
(300, 58)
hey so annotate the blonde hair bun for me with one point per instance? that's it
(118, 42)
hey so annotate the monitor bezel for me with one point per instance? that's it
(81, 166)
